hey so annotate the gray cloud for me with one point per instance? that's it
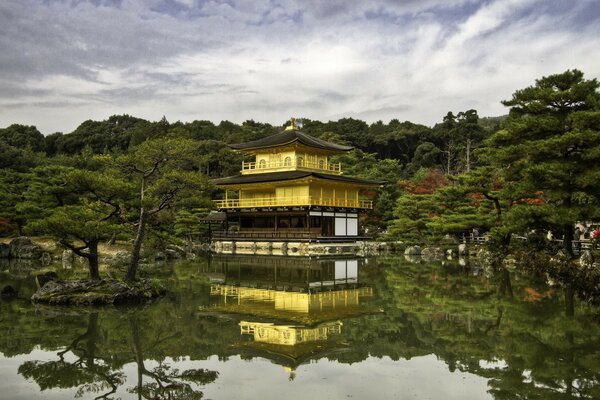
(269, 59)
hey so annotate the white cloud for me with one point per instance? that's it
(268, 60)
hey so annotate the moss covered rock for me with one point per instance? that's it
(87, 292)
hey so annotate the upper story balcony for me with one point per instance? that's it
(291, 163)
(292, 201)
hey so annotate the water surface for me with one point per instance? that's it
(272, 328)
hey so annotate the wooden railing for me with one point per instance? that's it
(293, 201)
(292, 163)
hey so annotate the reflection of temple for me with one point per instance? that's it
(306, 308)
(284, 273)
(290, 310)
(289, 335)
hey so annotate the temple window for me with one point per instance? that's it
(287, 162)
(262, 164)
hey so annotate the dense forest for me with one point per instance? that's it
(396, 152)
(532, 171)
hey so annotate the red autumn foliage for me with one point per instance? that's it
(532, 295)
(534, 201)
(428, 184)
(475, 198)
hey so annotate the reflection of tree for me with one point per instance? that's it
(165, 382)
(90, 372)
(92, 364)
(526, 349)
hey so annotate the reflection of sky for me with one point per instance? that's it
(14, 387)
(418, 378)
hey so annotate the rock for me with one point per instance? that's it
(46, 258)
(172, 249)
(462, 249)
(8, 292)
(411, 258)
(23, 248)
(68, 259)
(42, 279)
(587, 259)
(172, 254)
(432, 253)
(4, 250)
(412, 251)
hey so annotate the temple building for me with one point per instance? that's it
(292, 190)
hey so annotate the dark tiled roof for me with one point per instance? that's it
(290, 175)
(290, 136)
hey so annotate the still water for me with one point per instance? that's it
(273, 328)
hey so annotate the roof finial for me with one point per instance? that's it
(292, 126)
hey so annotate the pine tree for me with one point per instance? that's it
(548, 154)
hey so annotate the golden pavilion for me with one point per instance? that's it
(292, 190)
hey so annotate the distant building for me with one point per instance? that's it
(292, 191)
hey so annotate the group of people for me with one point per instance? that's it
(583, 232)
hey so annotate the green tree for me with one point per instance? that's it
(417, 206)
(13, 185)
(548, 154)
(22, 136)
(90, 213)
(163, 172)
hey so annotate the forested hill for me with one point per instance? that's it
(413, 145)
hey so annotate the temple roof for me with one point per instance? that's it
(290, 175)
(289, 136)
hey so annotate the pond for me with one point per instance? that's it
(298, 328)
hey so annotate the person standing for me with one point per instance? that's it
(577, 239)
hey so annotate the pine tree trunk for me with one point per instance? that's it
(468, 155)
(568, 241)
(569, 300)
(92, 258)
(139, 237)
(92, 338)
(137, 246)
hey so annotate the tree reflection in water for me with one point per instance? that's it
(165, 382)
(98, 373)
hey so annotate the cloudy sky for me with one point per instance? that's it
(62, 62)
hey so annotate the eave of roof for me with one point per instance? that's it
(290, 175)
(288, 137)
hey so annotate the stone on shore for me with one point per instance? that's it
(23, 248)
(412, 251)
